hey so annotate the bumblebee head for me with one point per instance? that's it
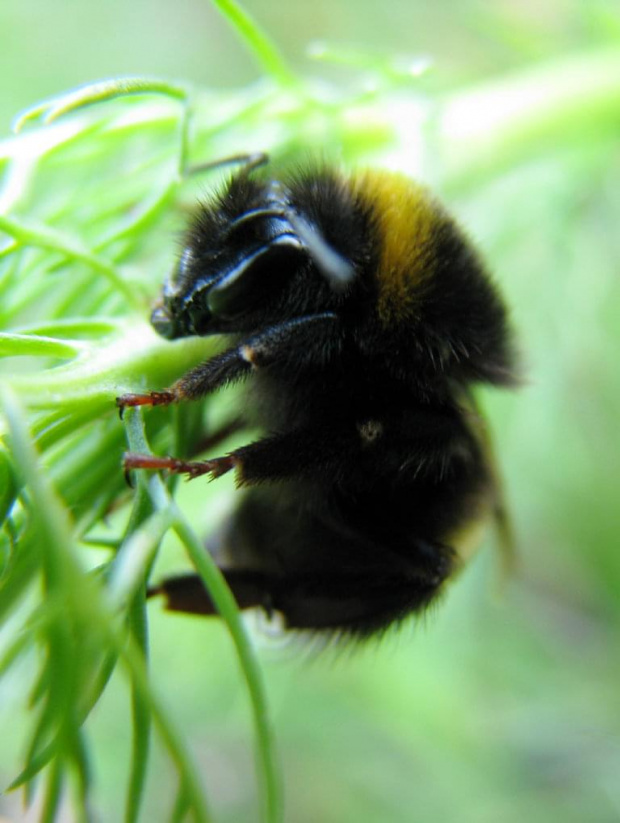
(225, 293)
(251, 257)
(376, 248)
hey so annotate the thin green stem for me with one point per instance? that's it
(51, 110)
(227, 607)
(141, 716)
(259, 43)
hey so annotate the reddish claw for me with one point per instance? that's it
(153, 398)
(215, 467)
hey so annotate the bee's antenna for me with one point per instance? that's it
(248, 161)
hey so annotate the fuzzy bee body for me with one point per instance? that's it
(361, 317)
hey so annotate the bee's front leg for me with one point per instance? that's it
(275, 344)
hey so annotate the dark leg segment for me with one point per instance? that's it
(306, 334)
(186, 593)
(311, 453)
(215, 467)
(358, 602)
(258, 352)
(152, 398)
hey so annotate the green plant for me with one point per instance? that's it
(93, 186)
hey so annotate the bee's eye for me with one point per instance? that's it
(163, 323)
(257, 275)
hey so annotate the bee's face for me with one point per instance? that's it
(376, 249)
(223, 286)
(254, 257)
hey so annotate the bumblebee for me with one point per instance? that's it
(361, 317)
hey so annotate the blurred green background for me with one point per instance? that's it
(50, 47)
(504, 703)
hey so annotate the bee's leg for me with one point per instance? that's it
(359, 601)
(302, 453)
(371, 449)
(304, 334)
(260, 351)
(152, 398)
(186, 593)
(313, 453)
(321, 573)
(227, 367)
(148, 461)
(192, 468)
